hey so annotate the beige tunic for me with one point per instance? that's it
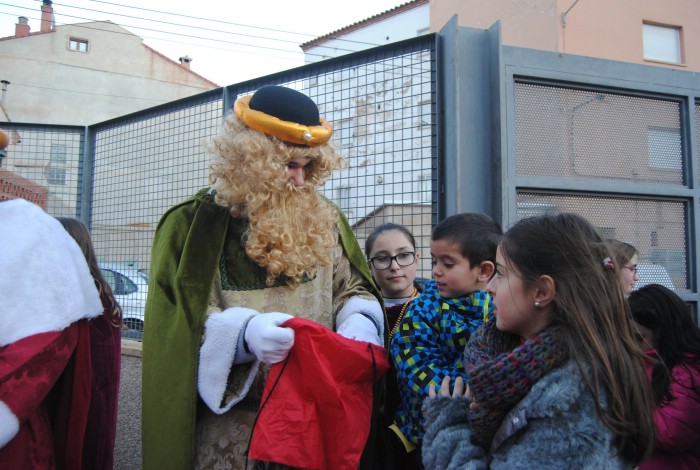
(222, 440)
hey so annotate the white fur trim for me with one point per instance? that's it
(216, 355)
(45, 279)
(9, 424)
(369, 308)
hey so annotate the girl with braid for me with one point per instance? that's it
(556, 379)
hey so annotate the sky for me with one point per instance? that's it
(229, 41)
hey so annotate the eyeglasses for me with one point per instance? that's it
(634, 269)
(384, 262)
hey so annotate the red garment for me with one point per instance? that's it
(101, 428)
(63, 388)
(677, 443)
(29, 370)
(317, 415)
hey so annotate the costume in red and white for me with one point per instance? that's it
(46, 296)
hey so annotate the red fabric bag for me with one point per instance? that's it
(317, 404)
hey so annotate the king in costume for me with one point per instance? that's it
(250, 247)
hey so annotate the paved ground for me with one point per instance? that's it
(127, 452)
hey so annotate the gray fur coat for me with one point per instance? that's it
(554, 426)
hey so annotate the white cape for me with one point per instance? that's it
(45, 282)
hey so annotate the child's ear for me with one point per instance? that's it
(545, 291)
(486, 269)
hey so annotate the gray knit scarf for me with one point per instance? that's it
(502, 371)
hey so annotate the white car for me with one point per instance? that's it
(130, 288)
(653, 274)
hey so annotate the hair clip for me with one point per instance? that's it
(608, 264)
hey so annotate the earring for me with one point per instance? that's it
(537, 304)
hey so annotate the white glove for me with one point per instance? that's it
(266, 339)
(359, 328)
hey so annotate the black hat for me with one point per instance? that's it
(284, 113)
(285, 104)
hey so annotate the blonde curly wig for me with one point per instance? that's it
(292, 229)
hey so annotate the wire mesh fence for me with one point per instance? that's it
(134, 168)
(120, 176)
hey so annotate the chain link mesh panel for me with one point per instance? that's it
(656, 228)
(382, 106)
(565, 132)
(384, 120)
(43, 165)
(144, 165)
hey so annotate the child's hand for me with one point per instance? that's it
(458, 391)
(469, 394)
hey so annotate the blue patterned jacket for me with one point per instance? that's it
(429, 345)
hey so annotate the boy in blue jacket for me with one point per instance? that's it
(430, 339)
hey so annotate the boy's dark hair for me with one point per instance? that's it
(477, 235)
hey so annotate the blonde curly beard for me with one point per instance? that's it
(292, 229)
(291, 233)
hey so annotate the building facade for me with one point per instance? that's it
(406, 21)
(80, 74)
(77, 75)
(650, 32)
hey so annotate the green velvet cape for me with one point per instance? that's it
(185, 255)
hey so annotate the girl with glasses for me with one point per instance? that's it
(626, 261)
(393, 260)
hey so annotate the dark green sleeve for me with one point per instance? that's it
(184, 257)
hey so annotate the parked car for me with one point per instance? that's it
(130, 288)
(653, 274)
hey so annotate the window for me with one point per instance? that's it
(664, 148)
(58, 153)
(425, 187)
(56, 175)
(343, 198)
(78, 45)
(120, 284)
(343, 133)
(534, 209)
(662, 43)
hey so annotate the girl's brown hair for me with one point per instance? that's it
(590, 310)
(80, 233)
(622, 252)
